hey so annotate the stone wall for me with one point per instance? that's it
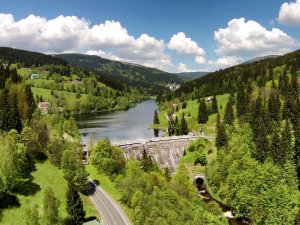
(165, 151)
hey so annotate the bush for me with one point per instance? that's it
(200, 158)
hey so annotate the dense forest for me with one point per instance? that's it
(257, 168)
(230, 80)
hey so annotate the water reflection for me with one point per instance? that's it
(120, 126)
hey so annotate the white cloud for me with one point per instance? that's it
(224, 62)
(183, 68)
(186, 46)
(72, 34)
(250, 39)
(289, 13)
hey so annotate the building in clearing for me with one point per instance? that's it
(209, 99)
(35, 76)
(44, 106)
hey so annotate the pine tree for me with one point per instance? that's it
(202, 112)
(274, 106)
(242, 101)
(30, 101)
(14, 115)
(221, 136)
(155, 119)
(146, 162)
(183, 126)
(285, 144)
(261, 142)
(74, 205)
(214, 105)
(275, 148)
(50, 208)
(229, 115)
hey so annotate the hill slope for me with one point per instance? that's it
(151, 79)
(229, 80)
(28, 58)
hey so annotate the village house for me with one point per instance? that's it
(44, 106)
(35, 76)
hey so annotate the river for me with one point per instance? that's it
(118, 126)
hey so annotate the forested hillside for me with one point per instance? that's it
(28, 58)
(113, 72)
(67, 88)
(256, 131)
(230, 80)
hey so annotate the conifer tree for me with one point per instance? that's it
(274, 106)
(214, 105)
(285, 144)
(275, 148)
(221, 136)
(202, 112)
(74, 205)
(50, 208)
(146, 162)
(155, 119)
(14, 114)
(183, 126)
(229, 115)
(261, 142)
(242, 104)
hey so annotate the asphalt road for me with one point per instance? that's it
(110, 211)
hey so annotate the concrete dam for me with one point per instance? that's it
(166, 151)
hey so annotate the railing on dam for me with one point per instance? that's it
(155, 139)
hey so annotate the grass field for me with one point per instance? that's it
(46, 175)
(191, 115)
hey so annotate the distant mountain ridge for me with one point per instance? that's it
(153, 80)
(260, 58)
(192, 75)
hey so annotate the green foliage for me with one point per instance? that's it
(214, 105)
(12, 164)
(155, 119)
(221, 135)
(50, 208)
(229, 115)
(74, 170)
(74, 205)
(107, 159)
(200, 158)
(32, 216)
(202, 112)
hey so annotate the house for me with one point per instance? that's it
(209, 99)
(44, 106)
(35, 76)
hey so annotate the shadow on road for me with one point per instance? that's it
(91, 187)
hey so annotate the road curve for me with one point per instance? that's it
(110, 211)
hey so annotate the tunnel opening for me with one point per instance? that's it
(199, 182)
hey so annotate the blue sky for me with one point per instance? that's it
(172, 35)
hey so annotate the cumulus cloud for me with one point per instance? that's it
(249, 39)
(224, 62)
(181, 68)
(186, 46)
(289, 13)
(71, 34)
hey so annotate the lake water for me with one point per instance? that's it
(118, 126)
